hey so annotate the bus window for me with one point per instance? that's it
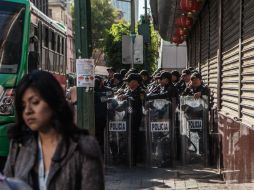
(49, 40)
(46, 37)
(35, 31)
(58, 44)
(40, 43)
(53, 40)
(33, 46)
(47, 58)
(11, 36)
(64, 55)
(61, 56)
(56, 54)
(50, 52)
(62, 46)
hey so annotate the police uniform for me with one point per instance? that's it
(136, 98)
(182, 85)
(165, 92)
(100, 110)
(192, 90)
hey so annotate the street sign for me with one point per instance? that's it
(126, 50)
(138, 50)
(132, 49)
(85, 72)
(144, 30)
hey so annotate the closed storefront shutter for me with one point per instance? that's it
(230, 57)
(213, 58)
(204, 43)
(247, 83)
(188, 43)
(193, 49)
(197, 44)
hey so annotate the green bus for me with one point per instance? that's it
(29, 40)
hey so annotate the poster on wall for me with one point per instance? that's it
(85, 73)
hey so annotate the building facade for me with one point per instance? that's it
(59, 10)
(41, 5)
(220, 44)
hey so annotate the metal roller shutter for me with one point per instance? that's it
(197, 44)
(193, 49)
(247, 83)
(204, 44)
(213, 58)
(230, 57)
(188, 50)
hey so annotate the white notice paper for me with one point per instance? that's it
(85, 72)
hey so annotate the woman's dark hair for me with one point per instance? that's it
(51, 92)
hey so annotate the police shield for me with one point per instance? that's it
(117, 138)
(193, 129)
(160, 132)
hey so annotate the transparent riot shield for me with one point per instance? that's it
(160, 132)
(118, 150)
(193, 129)
(142, 139)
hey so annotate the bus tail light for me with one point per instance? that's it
(7, 102)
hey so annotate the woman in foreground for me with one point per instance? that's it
(47, 150)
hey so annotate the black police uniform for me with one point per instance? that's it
(192, 90)
(165, 92)
(100, 110)
(181, 86)
(136, 98)
(136, 102)
(109, 83)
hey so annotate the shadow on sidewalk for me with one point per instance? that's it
(165, 178)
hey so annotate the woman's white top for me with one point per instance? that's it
(42, 175)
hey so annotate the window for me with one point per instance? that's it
(53, 46)
(58, 44)
(46, 37)
(62, 46)
(11, 36)
(50, 13)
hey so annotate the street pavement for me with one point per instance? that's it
(192, 177)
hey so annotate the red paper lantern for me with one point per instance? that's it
(189, 5)
(181, 32)
(177, 39)
(195, 6)
(178, 21)
(184, 22)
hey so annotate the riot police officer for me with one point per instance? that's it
(135, 94)
(196, 87)
(101, 93)
(184, 82)
(145, 77)
(167, 89)
(109, 81)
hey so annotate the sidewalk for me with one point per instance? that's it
(180, 178)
